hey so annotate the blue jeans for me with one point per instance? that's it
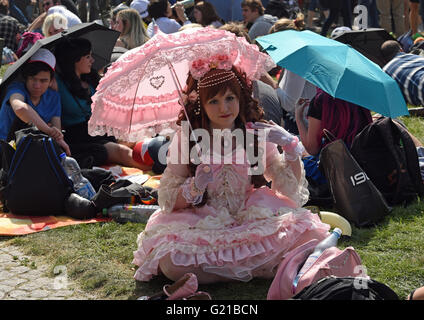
(17, 13)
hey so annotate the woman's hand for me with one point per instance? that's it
(194, 187)
(301, 104)
(291, 145)
(180, 11)
(274, 133)
(203, 176)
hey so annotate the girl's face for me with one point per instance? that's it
(197, 15)
(222, 110)
(52, 30)
(119, 25)
(83, 66)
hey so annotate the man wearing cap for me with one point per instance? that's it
(32, 101)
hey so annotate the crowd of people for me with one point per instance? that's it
(215, 221)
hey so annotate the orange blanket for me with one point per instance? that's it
(13, 225)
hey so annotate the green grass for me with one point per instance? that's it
(98, 256)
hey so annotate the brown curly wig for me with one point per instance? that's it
(249, 111)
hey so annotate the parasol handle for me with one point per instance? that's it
(180, 93)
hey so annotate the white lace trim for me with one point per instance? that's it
(214, 229)
(146, 133)
(284, 181)
(168, 191)
(231, 193)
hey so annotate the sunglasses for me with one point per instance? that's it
(45, 4)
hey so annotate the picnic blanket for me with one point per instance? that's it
(13, 225)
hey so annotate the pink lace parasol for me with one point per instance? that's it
(138, 98)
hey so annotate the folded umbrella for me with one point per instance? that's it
(336, 68)
(102, 40)
(368, 42)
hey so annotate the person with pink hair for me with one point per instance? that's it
(343, 119)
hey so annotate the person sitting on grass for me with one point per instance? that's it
(219, 220)
(76, 81)
(33, 101)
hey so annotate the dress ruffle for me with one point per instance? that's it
(233, 250)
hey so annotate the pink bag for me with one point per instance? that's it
(332, 262)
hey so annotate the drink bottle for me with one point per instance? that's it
(130, 213)
(330, 241)
(82, 185)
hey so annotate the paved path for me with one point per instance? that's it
(26, 278)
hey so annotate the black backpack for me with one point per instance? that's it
(386, 152)
(346, 288)
(33, 181)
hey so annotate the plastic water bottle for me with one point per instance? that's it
(330, 241)
(82, 185)
(130, 213)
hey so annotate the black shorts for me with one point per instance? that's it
(87, 150)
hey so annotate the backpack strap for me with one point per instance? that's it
(386, 133)
(387, 128)
(328, 135)
(51, 152)
(21, 148)
(411, 158)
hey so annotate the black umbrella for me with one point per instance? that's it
(367, 42)
(102, 40)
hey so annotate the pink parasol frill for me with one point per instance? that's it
(137, 98)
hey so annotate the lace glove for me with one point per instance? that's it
(194, 187)
(291, 145)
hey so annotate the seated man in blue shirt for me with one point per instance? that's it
(32, 101)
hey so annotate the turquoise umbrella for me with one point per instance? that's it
(336, 68)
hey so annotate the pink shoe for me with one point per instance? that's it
(184, 287)
(199, 295)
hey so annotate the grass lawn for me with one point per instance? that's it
(98, 256)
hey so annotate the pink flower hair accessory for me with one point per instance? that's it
(191, 97)
(200, 67)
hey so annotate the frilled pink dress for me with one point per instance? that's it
(241, 232)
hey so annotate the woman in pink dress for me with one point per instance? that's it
(218, 218)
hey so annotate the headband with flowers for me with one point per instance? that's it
(200, 67)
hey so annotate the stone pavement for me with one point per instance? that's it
(27, 278)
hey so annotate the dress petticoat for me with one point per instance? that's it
(241, 232)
